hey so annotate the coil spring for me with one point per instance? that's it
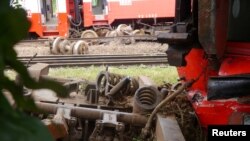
(106, 80)
(146, 99)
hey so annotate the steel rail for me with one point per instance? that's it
(77, 57)
(101, 39)
(88, 60)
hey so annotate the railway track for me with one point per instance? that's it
(101, 39)
(96, 60)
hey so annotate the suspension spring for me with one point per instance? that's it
(146, 99)
(106, 81)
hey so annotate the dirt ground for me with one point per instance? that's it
(115, 47)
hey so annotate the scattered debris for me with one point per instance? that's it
(115, 107)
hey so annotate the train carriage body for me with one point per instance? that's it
(108, 11)
(57, 17)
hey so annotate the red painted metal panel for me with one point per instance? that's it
(63, 24)
(88, 17)
(196, 63)
(36, 24)
(216, 112)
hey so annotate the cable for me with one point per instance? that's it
(146, 130)
(73, 23)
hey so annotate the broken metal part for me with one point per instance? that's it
(92, 114)
(58, 126)
(37, 70)
(228, 87)
(167, 129)
(109, 121)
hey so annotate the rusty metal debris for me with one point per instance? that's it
(114, 108)
(107, 81)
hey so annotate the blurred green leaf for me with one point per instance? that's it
(15, 125)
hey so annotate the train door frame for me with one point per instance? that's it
(101, 5)
(50, 19)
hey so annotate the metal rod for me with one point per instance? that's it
(93, 114)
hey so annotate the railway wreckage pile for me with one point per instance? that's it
(114, 108)
(125, 35)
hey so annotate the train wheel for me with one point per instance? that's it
(120, 29)
(124, 29)
(80, 47)
(69, 48)
(111, 34)
(62, 46)
(55, 46)
(102, 32)
(138, 32)
(89, 34)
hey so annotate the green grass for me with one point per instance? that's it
(157, 73)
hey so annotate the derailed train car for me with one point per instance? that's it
(65, 17)
(209, 45)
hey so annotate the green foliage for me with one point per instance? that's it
(158, 74)
(15, 125)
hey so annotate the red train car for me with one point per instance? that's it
(110, 11)
(216, 53)
(66, 17)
